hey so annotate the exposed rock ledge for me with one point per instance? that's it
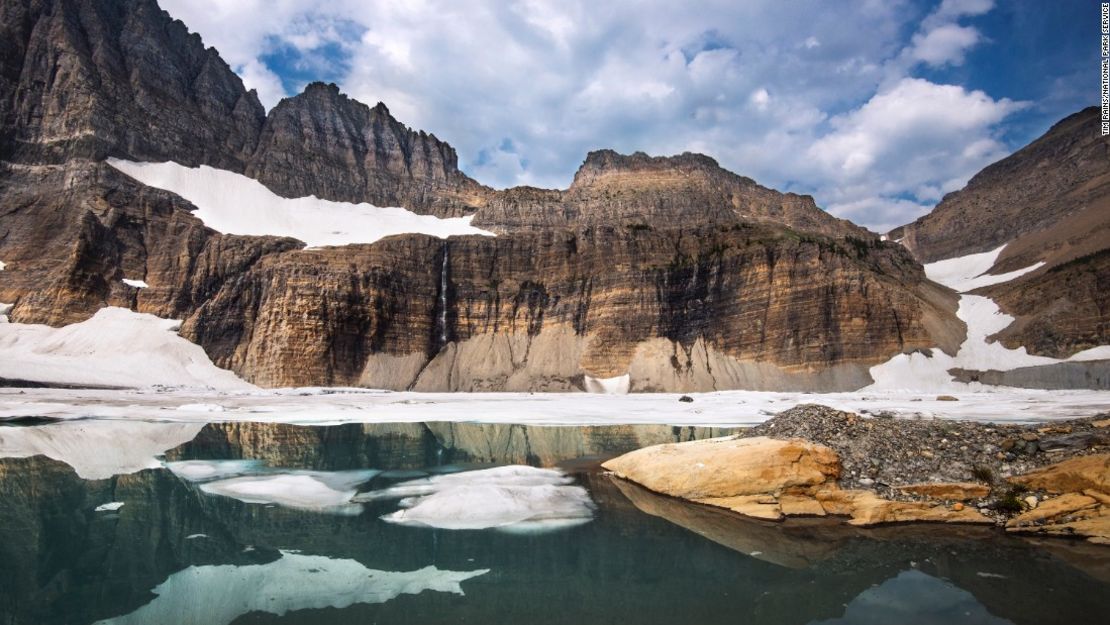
(819, 462)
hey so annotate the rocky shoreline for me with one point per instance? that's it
(813, 460)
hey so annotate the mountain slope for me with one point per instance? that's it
(1048, 203)
(671, 270)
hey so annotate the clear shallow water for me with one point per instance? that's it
(176, 553)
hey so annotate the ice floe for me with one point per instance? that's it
(98, 449)
(115, 348)
(205, 470)
(235, 204)
(516, 498)
(328, 492)
(219, 594)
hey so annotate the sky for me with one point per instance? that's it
(877, 108)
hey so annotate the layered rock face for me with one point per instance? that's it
(658, 192)
(680, 309)
(325, 144)
(1048, 202)
(82, 79)
(671, 270)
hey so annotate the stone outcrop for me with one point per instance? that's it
(1081, 505)
(645, 193)
(86, 80)
(772, 478)
(765, 478)
(323, 143)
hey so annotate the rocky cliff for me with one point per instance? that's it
(672, 270)
(1047, 203)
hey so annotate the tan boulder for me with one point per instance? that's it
(1070, 476)
(733, 467)
(866, 509)
(1091, 523)
(1056, 507)
(755, 506)
(952, 491)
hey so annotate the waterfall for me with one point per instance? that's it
(443, 297)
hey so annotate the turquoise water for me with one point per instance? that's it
(176, 552)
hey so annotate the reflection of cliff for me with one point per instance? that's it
(65, 563)
(417, 445)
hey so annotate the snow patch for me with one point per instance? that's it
(967, 273)
(2, 265)
(5, 310)
(317, 491)
(138, 284)
(1102, 352)
(109, 507)
(514, 498)
(921, 372)
(235, 204)
(94, 449)
(618, 385)
(220, 594)
(116, 347)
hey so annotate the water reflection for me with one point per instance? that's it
(175, 552)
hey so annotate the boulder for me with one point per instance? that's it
(949, 491)
(1070, 476)
(733, 467)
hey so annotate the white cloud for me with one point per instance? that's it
(945, 44)
(524, 89)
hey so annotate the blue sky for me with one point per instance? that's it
(877, 108)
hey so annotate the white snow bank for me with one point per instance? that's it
(983, 318)
(116, 347)
(138, 284)
(967, 273)
(618, 385)
(235, 204)
(317, 491)
(109, 507)
(520, 498)
(98, 449)
(219, 594)
(1102, 352)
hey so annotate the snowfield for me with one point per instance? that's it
(115, 348)
(232, 203)
(983, 318)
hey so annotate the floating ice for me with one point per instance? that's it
(98, 449)
(115, 348)
(514, 498)
(109, 507)
(235, 204)
(218, 595)
(318, 491)
(203, 470)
